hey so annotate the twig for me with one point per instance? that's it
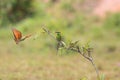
(88, 58)
(48, 32)
(97, 72)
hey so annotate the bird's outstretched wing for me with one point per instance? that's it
(17, 35)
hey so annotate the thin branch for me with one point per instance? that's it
(88, 58)
(48, 32)
(97, 72)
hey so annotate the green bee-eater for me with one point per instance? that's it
(58, 36)
(60, 42)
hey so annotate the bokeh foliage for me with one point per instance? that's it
(15, 10)
(112, 23)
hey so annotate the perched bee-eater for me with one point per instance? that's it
(60, 42)
(58, 36)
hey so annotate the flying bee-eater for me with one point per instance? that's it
(18, 36)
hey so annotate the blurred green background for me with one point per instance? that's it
(36, 59)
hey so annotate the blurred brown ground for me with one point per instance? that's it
(106, 6)
(100, 8)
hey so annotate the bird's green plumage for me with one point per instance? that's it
(58, 36)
